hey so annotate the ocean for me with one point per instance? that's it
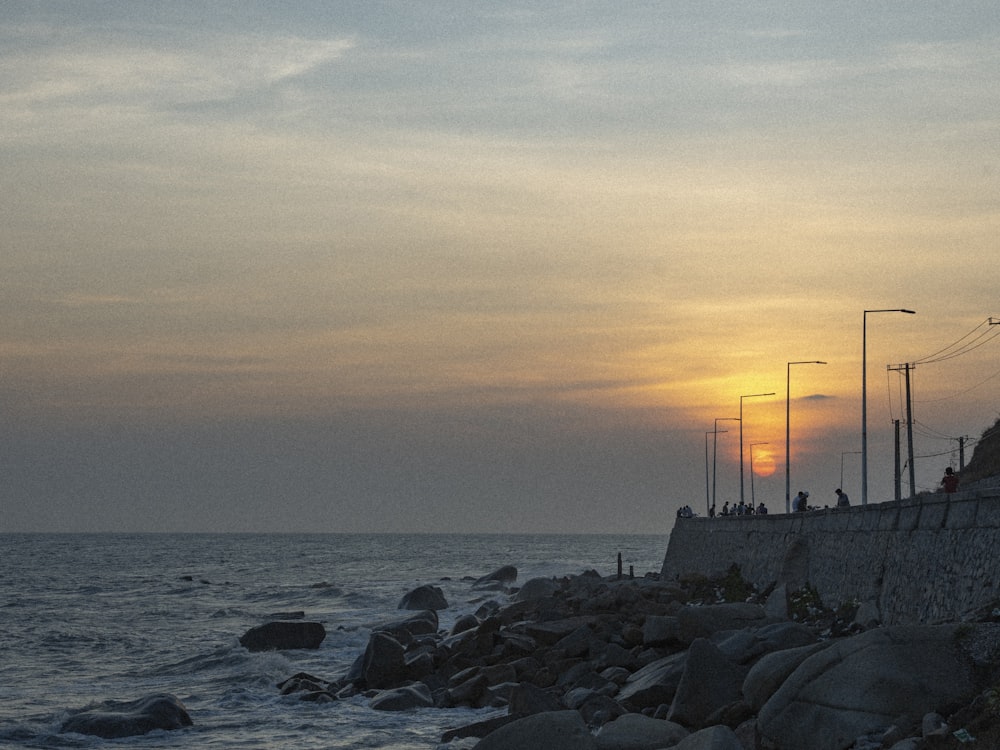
(86, 618)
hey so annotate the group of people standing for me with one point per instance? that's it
(800, 503)
(739, 509)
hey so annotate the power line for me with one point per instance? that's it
(959, 348)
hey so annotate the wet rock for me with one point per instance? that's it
(537, 588)
(498, 579)
(283, 636)
(383, 665)
(405, 698)
(424, 597)
(115, 719)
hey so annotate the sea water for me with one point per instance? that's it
(86, 618)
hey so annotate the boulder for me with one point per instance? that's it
(416, 695)
(746, 646)
(383, 664)
(499, 578)
(424, 597)
(711, 738)
(114, 719)
(777, 602)
(536, 588)
(766, 676)
(704, 622)
(794, 571)
(709, 682)
(463, 623)
(654, 684)
(638, 732)
(527, 699)
(424, 622)
(283, 636)
(554, 730)
(658, 630)
(865, 683)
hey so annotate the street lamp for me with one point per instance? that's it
(788, 403)
(708, 509)
(753, 498)
(715, 447)
(864, 396)
(752, 395)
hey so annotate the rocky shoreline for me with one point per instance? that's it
(618, 663)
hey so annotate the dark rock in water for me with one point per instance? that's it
(283, 636)
(423, 622)
(403, 698)
(424, 597)
(383, 665)
(498, 578)
(463, 623)
(113, 719)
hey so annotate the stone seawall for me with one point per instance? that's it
(926, 560)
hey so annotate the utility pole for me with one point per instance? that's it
(898, 495)
(961, 454)
(906, 367)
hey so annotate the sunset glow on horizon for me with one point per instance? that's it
(360, 267)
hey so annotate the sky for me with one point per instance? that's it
(487, 267)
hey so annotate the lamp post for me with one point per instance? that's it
(707, 433)
(753, 498)
(752, 395)
(864, 396)
(715, 448)
(788, 410)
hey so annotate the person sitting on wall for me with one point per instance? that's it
(949, 482)
(762, 509)
(843, 501)
(799, 503)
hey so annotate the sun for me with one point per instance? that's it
(763, 462)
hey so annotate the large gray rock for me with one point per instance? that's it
(423, 622)
(556, 730)
(405, 698)
(424, 597)
(114, 719)
(536, 588)
(283, 636)
(746, 646)
(658, 630)
(709, 682)
(383, 664)
(712, 738)
(704, 622)
(654, 684)
(863, 684)
(639, 732)
(767, 675)
(499, 578)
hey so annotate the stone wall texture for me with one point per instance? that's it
(925, 560)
